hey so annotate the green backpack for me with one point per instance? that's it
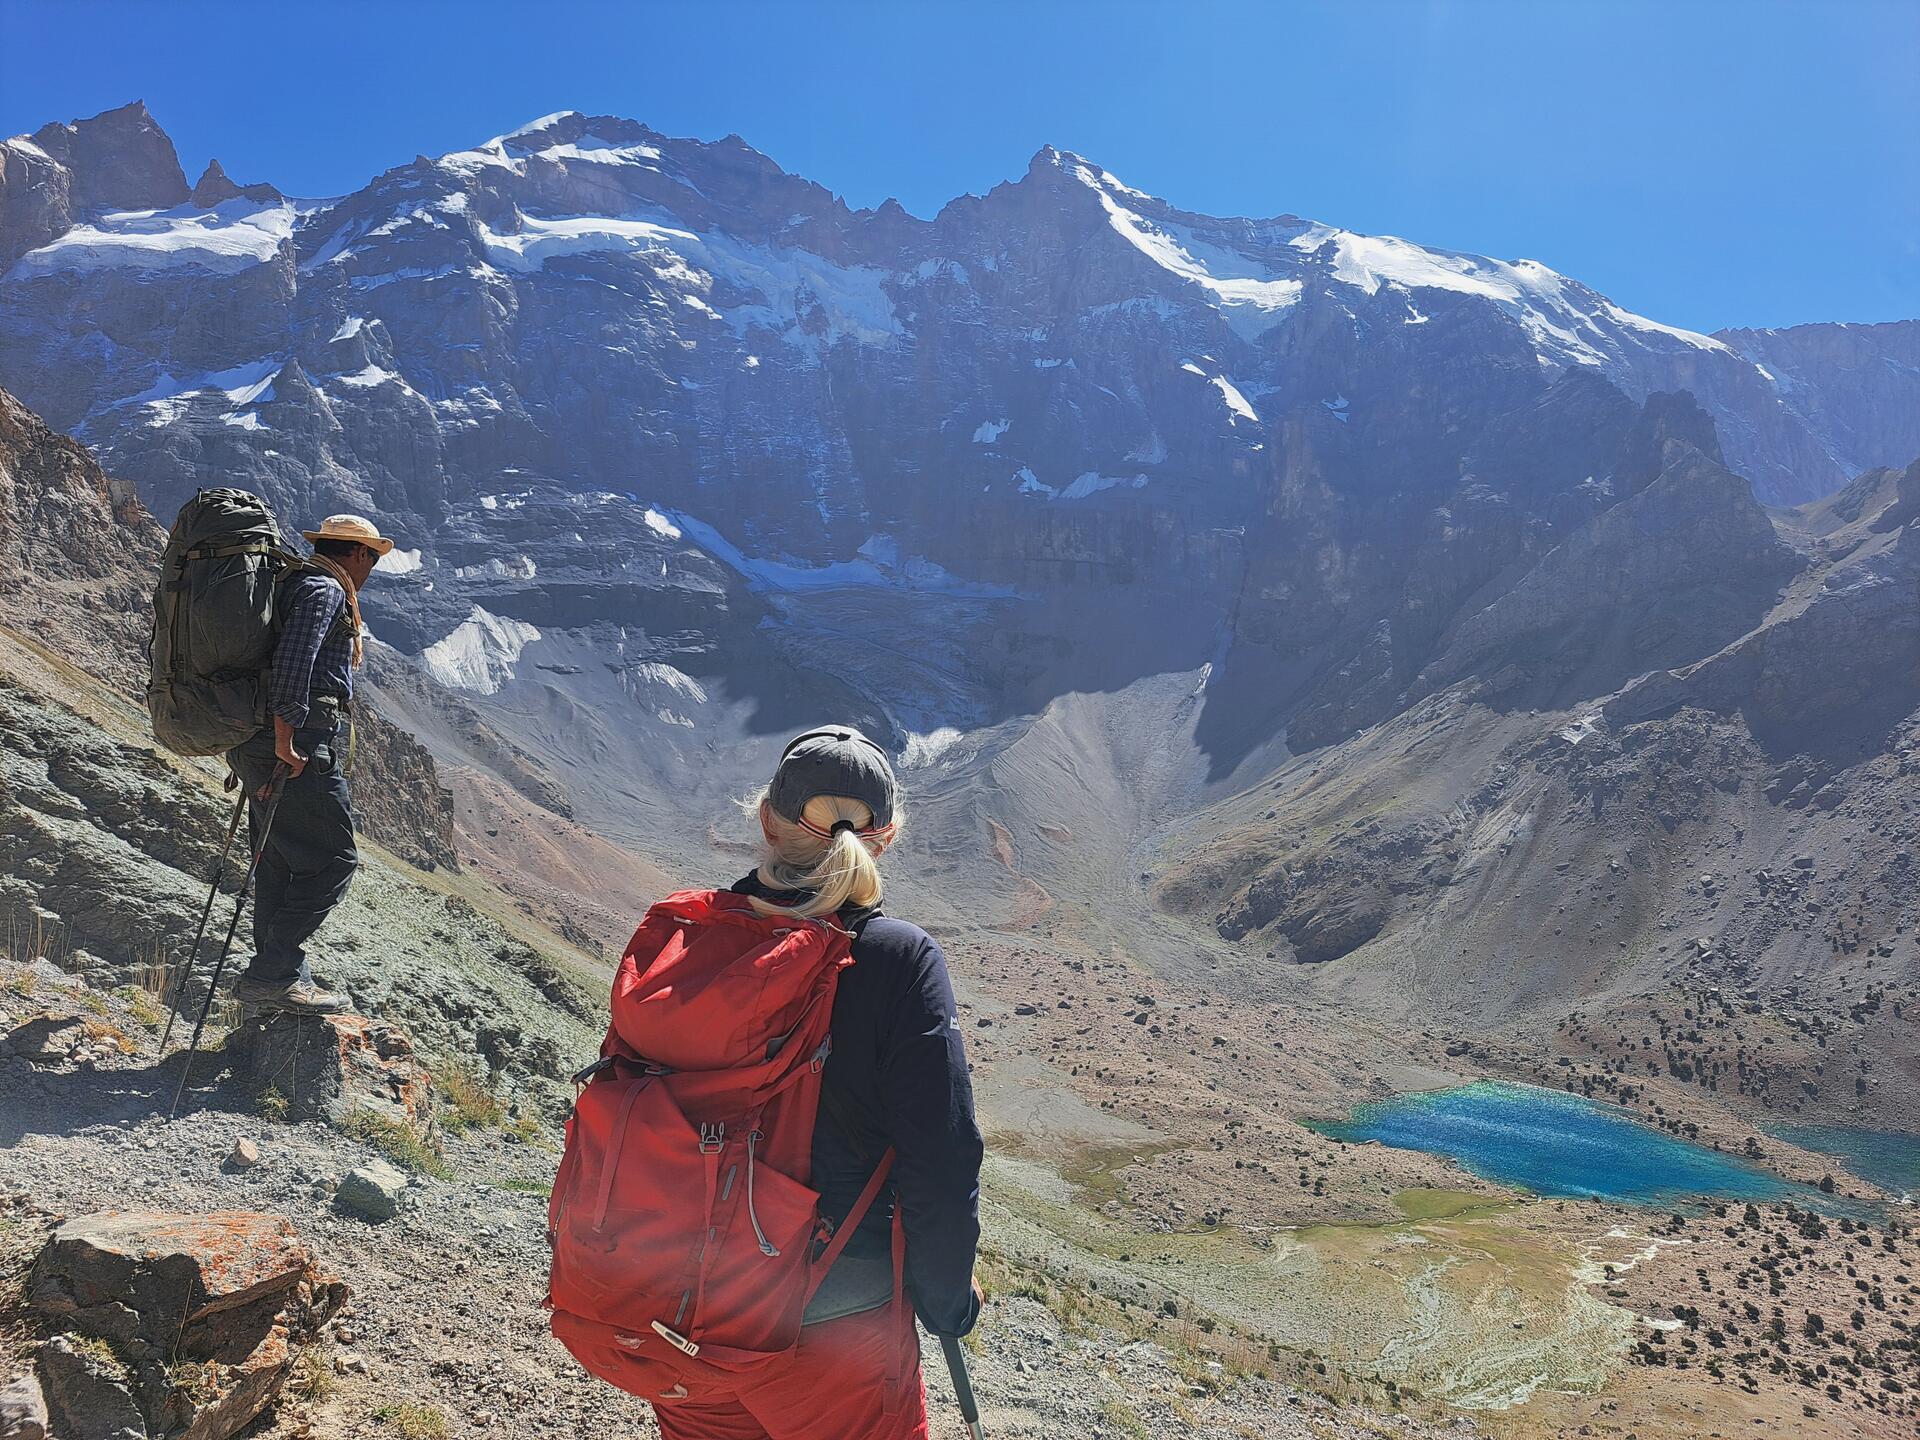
(214, 626)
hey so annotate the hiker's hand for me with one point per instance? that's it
(283, 748)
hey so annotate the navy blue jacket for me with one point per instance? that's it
(897, 1075)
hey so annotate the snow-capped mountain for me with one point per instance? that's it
(1316, 586)
(595, 374)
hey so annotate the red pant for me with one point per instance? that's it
(834, 1387)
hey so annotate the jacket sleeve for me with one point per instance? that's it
(313, 607)
(928, 1100)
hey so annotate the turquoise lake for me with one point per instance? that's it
(1558, 1144)
(1890, 1160)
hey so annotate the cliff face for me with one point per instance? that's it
(77, 550)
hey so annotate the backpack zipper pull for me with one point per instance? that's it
(767, 1247)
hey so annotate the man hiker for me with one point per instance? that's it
(310, 857)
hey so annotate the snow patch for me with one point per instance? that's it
(790, 283)
(661, 525)
(1250, 296)
(654, 673)
(880, 565)
(1640, 322)
(243, 385)
(990, 431)
(1092, 483)
(930, 748)
(225, 240)
(243, 420)
(1237, 405)
(349, 328)
(480, 653)
(399, 562)
(367, 377)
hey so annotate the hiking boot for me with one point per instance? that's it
(291, 997)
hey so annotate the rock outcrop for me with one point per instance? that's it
(185, 1326)
(77, 550)
(330, 1066)
(118, 160)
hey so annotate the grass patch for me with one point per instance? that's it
(526, 1128)
(1124, 1418)
(105, 1032)
(198, 1380)
(1421, 1203)
(272, 1105)
(469, 1104)
(412, 1420)
(395, 1141)
(312, 1377)
(542, 1188)
(142, 1006)
(99, 1353)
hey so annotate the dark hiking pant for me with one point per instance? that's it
(310, 856)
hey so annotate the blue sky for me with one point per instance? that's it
(1752, 162)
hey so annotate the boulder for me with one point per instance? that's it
(328, 1066)
(23, 1410)
(47, 1039)
(186, 1323)
(91, 1390)
(373, 1190)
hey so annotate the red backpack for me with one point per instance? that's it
(686, 1241)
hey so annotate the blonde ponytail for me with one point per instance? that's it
(835, 872)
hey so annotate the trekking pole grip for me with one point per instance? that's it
(963, 1386)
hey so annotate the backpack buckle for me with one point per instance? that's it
(582, 1076)
(685, 1346)
(713, 1137)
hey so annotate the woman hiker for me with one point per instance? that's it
(894, 1085)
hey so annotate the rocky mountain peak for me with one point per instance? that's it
(1669, 419)
(120, 160)
(215, 187)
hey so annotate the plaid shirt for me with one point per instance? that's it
(315, 653)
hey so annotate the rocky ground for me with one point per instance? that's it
(465, 1256)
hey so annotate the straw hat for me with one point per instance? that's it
(351, 527)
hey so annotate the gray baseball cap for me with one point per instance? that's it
(833, 760)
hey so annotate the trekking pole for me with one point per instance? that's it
(193, 955)
(274, 789)
(963, 1386)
